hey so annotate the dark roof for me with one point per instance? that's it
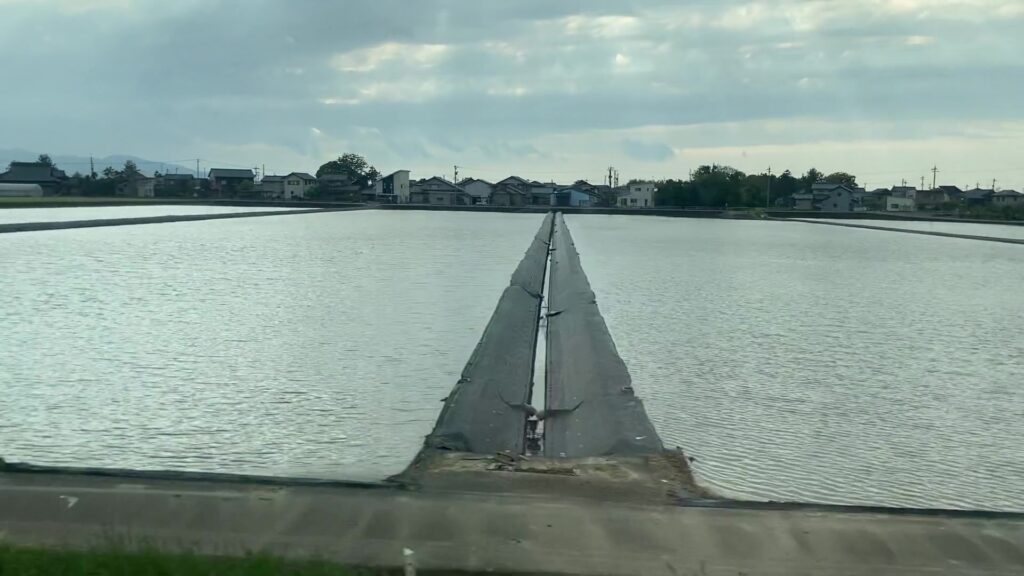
(231, 173)
(449, 185)
(303, 175)
(273, 179)
(468, 181)
(32, 172)
(517, 179)
(178, 177)
(978, 193)
(951, 189)
(1007, 193)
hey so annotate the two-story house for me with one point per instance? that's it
(297, 185)
(637, 195)
(512, 191)
(231, 181)
(1007, 198)
(479, 190)
(393, 188)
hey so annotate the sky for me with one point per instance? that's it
(551, 90)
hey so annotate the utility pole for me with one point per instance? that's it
(197, 168)
(611, 170)
(768, 196)
(922, 182)
(935, 171)
(455, 180)
(994, 184)
(264, 170)
(92, 168)
(616, 179)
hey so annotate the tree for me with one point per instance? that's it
(45, 160)
(130, 171)
(812, 177)
(109, 173)
(352, 165)
(842, 178)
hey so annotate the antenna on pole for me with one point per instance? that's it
(935, 171)
(455, 180)
(994, 184)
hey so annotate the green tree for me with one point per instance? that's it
(352, 165)
(841, 178)
(130, 170)
(46, 160)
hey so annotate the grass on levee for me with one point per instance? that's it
(20, 561)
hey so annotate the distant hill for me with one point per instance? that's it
(72, 164)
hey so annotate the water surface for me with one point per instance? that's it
(818, 363)
(308, 345)
(66, 214)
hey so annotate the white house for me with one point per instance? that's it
(479, 189)
(393, 188)
(297, 184)
(1008, 198)
(637, 195)
(899, 204)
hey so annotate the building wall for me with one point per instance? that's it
(638, 195)
(839, 200)
(20, 190)
(480, 191)
(1008, 200)
(296, 187)
(897, 204)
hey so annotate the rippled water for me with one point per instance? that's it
(969, 228)
(796, 361)
(19, 215)
(315, 345)
(805, 362)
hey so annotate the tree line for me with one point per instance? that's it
(717, 186)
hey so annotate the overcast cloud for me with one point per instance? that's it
(544, 88)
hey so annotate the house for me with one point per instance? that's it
(953, 193)
(512, 191)
(829, 197)
(903, 192)
(19, 190)
(175, 185)
(637, 195)
(930, 199)
(46, 176)
(393, 188)
(1007, 198)
(297, 184)
(572, 196)
(438, 191)
(978, 196)
(231, 181)
(541, 194)
(837, 198)
(480, 190)
(339, 187)
(139, 186)
(899, 204)
(271, 186)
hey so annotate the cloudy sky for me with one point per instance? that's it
(548, 89)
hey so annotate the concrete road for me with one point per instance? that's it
(499, 532)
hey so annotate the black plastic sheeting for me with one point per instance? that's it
(591, 407)
(486, 411)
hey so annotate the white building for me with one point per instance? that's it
(16, 190)
(637, 195)
(393, 188)
(899, 204)
(297, 184)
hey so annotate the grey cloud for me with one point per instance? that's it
(646, 150)
(239, 73)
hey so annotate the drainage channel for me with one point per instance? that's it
(534, 444)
